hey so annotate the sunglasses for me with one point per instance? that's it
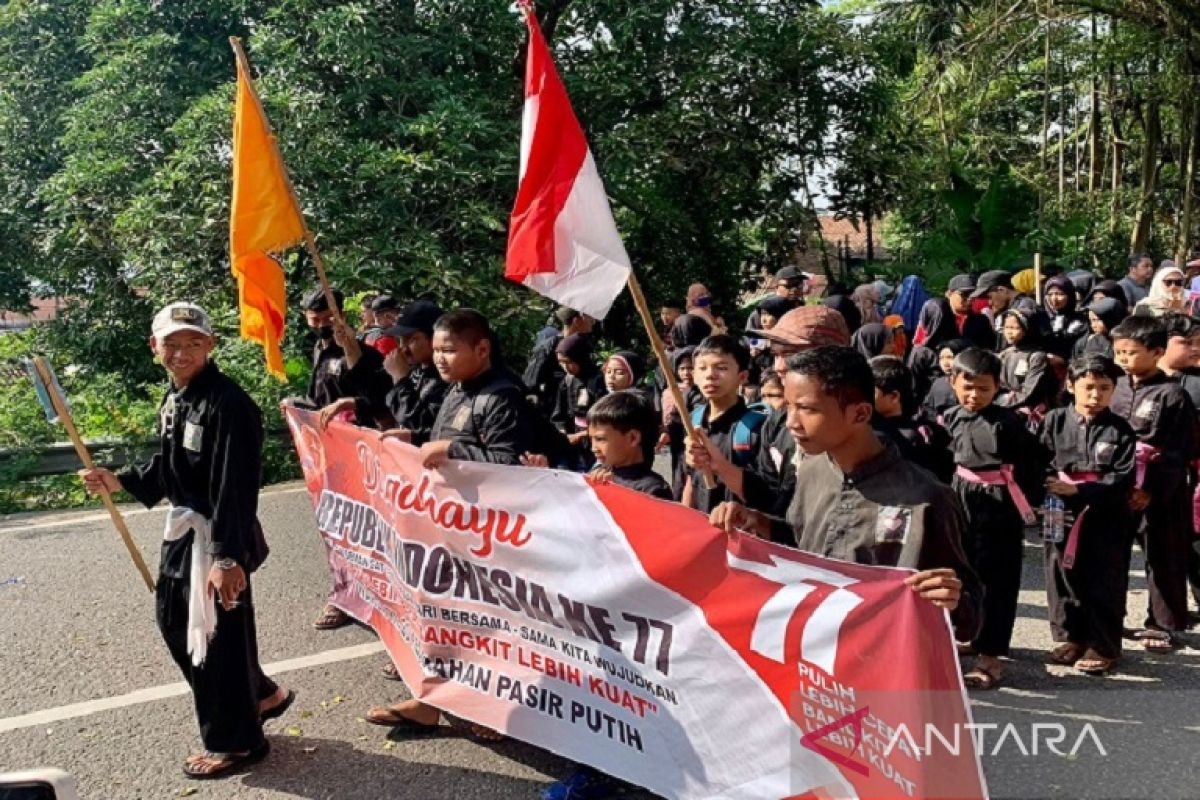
(1173, 282)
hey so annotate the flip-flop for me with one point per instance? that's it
(230, 763)
(980, 678)
(1093, 663)
(1156, 641)
(387, 717)
(331, 618)
(1066, 653)
(275, 712)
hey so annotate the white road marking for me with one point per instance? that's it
(67, 520)
(153, 693)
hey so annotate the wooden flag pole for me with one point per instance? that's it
(64, 414)
(660, 352)
(1037, 278)
(310, 242)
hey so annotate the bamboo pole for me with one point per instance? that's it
(660, 352)
(310, 242)
(1037, 278)
(64, 414)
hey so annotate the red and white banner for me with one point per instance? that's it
(563, 241)
(625, 632)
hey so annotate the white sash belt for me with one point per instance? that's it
(202, 605)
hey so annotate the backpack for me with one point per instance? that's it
(743, 432)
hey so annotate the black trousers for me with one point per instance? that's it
(1165, 536)
(228, 686)
(1087, 601)
(994, 542)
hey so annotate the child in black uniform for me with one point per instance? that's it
(919, 439)
(994, 473)
(1092, 470)
(1164, 420)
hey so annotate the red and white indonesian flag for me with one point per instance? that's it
(563, 241)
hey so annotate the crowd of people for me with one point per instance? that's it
(879, 425)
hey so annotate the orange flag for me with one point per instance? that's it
(264, 221)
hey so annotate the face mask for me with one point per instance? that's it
(325, 332)
(703, 302)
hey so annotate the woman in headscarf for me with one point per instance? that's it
(936, 326)
(1025, 282)
(1061, 325)
(1084, 281)
(1103, 289)
(909, 301)
(1167, 295)
(846, 307)
(866, 297)
(872, 340)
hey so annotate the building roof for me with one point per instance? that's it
(45, 309)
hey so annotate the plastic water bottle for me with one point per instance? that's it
(1054, 514)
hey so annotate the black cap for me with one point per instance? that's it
(385, 302)
(416, 316)
(992, 279)
(961, 283)
(315, 300)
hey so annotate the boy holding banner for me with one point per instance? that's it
(208, 467)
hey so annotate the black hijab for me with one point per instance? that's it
(846, 307)
(870, 340)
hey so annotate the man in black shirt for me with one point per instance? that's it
(343, 366)
(208, 467)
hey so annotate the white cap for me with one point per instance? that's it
(180, 317)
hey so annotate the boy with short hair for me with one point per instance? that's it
(622, 428)
(994, 472)
(721, 366)
(1164, 419)
(1092, 470)
(920, 440)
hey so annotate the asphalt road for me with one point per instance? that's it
(86, 686)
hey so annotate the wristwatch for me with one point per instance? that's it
(225, 563)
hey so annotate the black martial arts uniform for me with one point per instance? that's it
(986, 442)
(1189, 379)
(488, 419)
(641, 478)
(770, 480)
(1026, 381)
(1086, 588)
(887, 512)
(940, 399)
(415, 399)
(919, 440)
(1164, 420)
(332, 379)
(209, 460)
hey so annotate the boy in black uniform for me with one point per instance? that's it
(484, 417)
(1182, 362)
(921, 441)
(343, 367)
(209, 468)
(856, 499)
(1164, 420)
(721, 365)
(1092, 470)
(417, 388)
(996, 467)
(622, 428)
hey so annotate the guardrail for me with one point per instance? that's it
(60, 458)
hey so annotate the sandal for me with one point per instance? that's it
(216, 765)
(389, 717)
(390, 672)
(278, 710)
(485, 734)
(1156, 641)
(1066, 654)
(1093, 663)
(982, 678)
(331, 617)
